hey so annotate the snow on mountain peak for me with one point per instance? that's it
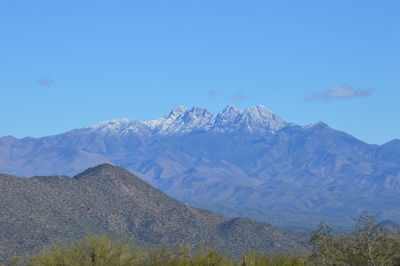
(177, 111)
(261, 116)
(260, 109)
(115, 124)
(119, 126)
(198, 115)
(255, 118)
(181, 120)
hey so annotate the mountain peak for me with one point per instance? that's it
(177, 111)
(318, 124)
(114, 124)
(256, 118)
(259, 108)
(198, 113)
(122, 126)
(230, 108)
(102, 169)
(183, 120)
(393, 142)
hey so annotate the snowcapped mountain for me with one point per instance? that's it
(182, 120)
(254, 119)
(122, 126)
(237, 163)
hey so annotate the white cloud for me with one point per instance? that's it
(340, 92)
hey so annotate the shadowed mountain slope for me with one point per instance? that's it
(108, 199)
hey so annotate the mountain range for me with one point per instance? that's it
(106, 199)
(236, 163)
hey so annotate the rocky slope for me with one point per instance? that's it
(110, 200)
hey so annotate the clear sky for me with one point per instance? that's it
(68, 64)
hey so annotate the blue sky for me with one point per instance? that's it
(69, 64)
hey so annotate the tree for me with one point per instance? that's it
(368, 244)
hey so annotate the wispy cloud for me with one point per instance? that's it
(340, 92)
(238, 97)
(212, 93)
(45, 82)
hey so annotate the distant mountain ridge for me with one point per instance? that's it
(237, 163)
(105, 199)
(182, 120)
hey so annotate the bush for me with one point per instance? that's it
(368, 244)
(101, 251)
(256, 259)
(93, 250)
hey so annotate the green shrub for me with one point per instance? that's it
(256, 259)
(93, 250)
(101, 251)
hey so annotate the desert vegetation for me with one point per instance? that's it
(102, 251)
(368, 244)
